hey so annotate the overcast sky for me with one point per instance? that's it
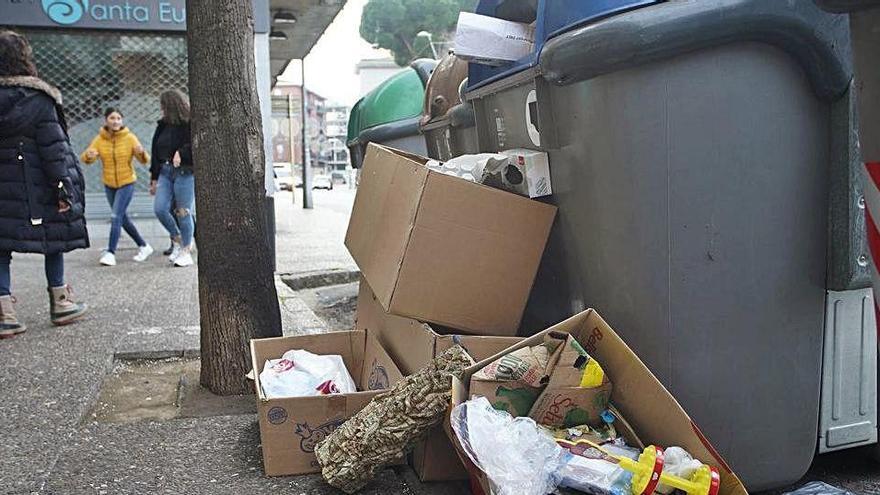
(331, 63)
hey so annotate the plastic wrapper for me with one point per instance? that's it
(600, 435)
(517, 457)
(528, 365)
(388, 427)
(819, 488)
(594, 473)
(678, 462)
(300, 373)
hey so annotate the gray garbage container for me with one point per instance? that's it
(703, 158)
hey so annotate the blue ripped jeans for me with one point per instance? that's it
(54, 271)
(176, 191)
(119, 200)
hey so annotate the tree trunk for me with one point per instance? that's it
(237, 297)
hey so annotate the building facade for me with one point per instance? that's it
(116, 53)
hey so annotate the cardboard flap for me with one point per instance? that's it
(409, 343)
(383, 215)
(379, 371)
(652, 411)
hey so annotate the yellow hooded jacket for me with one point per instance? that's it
(116, 150)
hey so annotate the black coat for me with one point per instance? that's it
(37, 168)
(167, 140)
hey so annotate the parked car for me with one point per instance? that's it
(339, 177)
(322, 182)
(283, 178)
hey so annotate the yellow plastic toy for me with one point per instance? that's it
(648, 472)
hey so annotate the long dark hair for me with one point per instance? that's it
(16, 55)
(175, 107)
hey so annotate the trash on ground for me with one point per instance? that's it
(515, 454)
(291, 427)
(603, 454)
(819, 488)
(300, 373)
(513, 382)
(529, 365)
(678, 462)
(593, 472)
(491, 41)
(388, 427)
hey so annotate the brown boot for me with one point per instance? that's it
(62, 308)
(9, 324)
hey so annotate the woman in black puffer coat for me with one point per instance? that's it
(42, 198)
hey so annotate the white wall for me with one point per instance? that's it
(372, 77)
(264, 86)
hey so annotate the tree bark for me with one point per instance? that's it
(237, 297)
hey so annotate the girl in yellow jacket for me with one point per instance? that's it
(118, 147)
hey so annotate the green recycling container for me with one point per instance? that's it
(390, 113)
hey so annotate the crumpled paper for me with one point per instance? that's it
(390, 425)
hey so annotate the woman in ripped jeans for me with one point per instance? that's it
(172, 180)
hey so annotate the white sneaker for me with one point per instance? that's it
(144, 252)
(184, 258)
(108, 259)
(175, 252)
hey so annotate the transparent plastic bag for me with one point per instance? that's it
(594, 474)
(300, 373)
(819, 488)
(517, 457)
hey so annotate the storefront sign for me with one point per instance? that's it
(141, 15)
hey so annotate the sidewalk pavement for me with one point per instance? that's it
(50, 377)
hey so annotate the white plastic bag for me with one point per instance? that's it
(300, 373)
(678, 462)
(517, 457)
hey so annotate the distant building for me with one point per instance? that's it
(334, 153)
(374, 71)
(287, 122)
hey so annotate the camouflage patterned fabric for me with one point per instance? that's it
(388, 427)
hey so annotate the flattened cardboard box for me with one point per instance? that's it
(644, 403)
(412, 344)
(290, 428)
(445, 250)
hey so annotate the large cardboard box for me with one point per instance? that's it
(290, 428)
(412, 344)
(442, 249)
(645, 404)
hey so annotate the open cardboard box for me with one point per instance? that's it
(411, 345)
(436, 248)
(290, 428)
(645, 404)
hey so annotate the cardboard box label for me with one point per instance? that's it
(571, 406)
(310, 437)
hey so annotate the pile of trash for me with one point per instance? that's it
(549, 423)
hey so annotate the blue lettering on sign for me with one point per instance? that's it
(65, 12)
(68, 12)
